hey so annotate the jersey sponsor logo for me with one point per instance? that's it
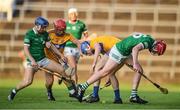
(41, 39)
(68, 27)
(74, 28)
(138, 35)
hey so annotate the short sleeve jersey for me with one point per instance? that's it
(36, 43)
(106, 42)
(76, 30)
(126, 45)
(59, 42)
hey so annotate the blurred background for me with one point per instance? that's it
(159, 18)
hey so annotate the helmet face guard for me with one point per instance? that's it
(41, 24)
(85, 47)
(158, 48)
(40, 21)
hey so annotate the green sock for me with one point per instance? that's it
(71, 90)
(14, 91)
(84, 86)
(133, 93)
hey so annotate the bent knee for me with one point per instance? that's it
(28, 82)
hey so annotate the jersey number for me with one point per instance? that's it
(138, 35)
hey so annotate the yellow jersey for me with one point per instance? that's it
(59, 42)
(106, 42)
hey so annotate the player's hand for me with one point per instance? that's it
(137, 67)
(80, 53)
(34, 64)
(64, 58)
(48, 44)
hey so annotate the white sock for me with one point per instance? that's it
(14, 91)
(72, 91)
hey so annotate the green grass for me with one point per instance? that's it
(34, 97)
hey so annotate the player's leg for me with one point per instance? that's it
(72, 55)
(56, 67)
(109, 66)
(100, 64)
(52, 66)
(49, 82)
(72, 64)
(27, 80)
(115, 59)
(115, 85)
(136, 80)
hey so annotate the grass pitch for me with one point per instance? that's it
(34, 97)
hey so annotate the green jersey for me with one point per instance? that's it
(125, 46)
(36, 43)
(76, 30)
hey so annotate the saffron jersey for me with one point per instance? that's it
(106, 42)
(59, 42)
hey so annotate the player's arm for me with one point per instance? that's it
(85, 34)
(97, 52)
(27, 44)
(135, 51)
(77, 42)
(28, 54)
(50, 30)
(85, 37)
(55, 50)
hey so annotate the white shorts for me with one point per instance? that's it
(42, 63)
(72, 51)
(116, 56)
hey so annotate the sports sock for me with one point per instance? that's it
(71, 90)
(84, 86)
(14, 91)
(95, 91)
(117, 94)
(133, 93)
(49, 91)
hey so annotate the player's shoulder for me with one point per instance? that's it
(80, 22)
(51, 31)
(29, 31)
(67, 34)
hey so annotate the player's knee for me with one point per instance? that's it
(49, 84)
(50, 81)
(73, 66)
(28, 82)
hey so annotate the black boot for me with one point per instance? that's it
(12, 95)
(50, 96)
(137, 99)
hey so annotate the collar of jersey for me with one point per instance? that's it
(74, 23)
(35, 31)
